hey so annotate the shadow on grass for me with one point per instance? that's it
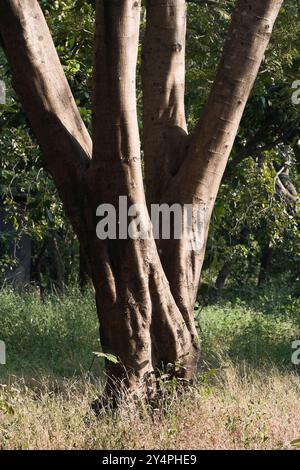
(276, 297)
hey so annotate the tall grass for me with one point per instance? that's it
(234, 408)
(246, 396)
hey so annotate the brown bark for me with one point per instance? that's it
(198, 178)
(131, 289)
(42, 87)
(223, 275)
(144, 290)
(163, 73)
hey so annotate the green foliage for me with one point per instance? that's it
(254, 324)
(247, 216)
(58, 335)
(244, 334)
(108, 357)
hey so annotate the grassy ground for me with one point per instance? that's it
(247, 395)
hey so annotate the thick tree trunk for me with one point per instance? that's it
(205, 152)
(139, 320)
(145, 289)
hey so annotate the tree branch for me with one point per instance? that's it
(213, 138)
(250, 150)
(163, 73)
(115, 127)
(42, 87)
(198, 179)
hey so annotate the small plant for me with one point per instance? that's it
(295, 443)
(107, 356)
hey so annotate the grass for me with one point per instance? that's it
(231, 409)
(246, 396)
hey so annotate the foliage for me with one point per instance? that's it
(242, 397)
(59, 334)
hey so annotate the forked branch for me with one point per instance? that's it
(42, 87)
(213, 138)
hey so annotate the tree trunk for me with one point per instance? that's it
(205, 152)
(145, 288)
(139, 319)
(223, 275)
(265, 264)
(84, 277)
(19, 248)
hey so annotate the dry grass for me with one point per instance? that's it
(253, 406)
(232, 408)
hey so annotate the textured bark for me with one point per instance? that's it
(163, 73)
(145, 290)
(198, 179)
(133, 295)
(42, 87)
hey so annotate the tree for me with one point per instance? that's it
(145, 288)
(29, 202)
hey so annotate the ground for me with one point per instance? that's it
(246, 395)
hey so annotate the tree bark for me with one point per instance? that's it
(223, 275)
(198, 178)
(139, 320)
(163, 77)
(44, 92)
(145, 289)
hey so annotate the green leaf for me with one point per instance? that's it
(296, 442)
(6, 408)
(223, 14)
(109, 357)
